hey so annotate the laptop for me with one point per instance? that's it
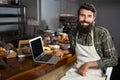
(38, 54)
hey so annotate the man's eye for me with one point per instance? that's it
(89, 16)
(81, 15)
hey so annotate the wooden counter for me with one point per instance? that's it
(26, 69)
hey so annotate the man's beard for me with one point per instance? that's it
(84, 29)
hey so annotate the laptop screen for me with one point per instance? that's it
(36, 46)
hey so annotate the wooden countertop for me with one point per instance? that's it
(27, 69)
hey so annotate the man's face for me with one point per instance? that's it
(86, 17)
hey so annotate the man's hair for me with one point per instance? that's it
(87, 6)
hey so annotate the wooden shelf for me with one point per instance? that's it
(10, 15)
(19, 22)
(9, 23)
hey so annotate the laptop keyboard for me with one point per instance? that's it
(45, 57)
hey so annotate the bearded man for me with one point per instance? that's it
(93, 46)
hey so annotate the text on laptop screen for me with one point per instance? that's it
(37, 48)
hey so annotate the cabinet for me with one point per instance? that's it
(12, 22)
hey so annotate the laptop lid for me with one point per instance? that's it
(36, 46)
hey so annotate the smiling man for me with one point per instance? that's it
(93, 46)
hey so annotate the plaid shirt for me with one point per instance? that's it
(103, 43)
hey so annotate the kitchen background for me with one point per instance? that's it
(44, 14)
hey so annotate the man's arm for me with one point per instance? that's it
(107, 50)
(84, 68)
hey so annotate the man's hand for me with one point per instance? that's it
(84, 68)
(61, 53)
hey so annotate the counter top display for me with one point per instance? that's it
(27, 69)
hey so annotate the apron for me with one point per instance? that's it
(84, 54)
